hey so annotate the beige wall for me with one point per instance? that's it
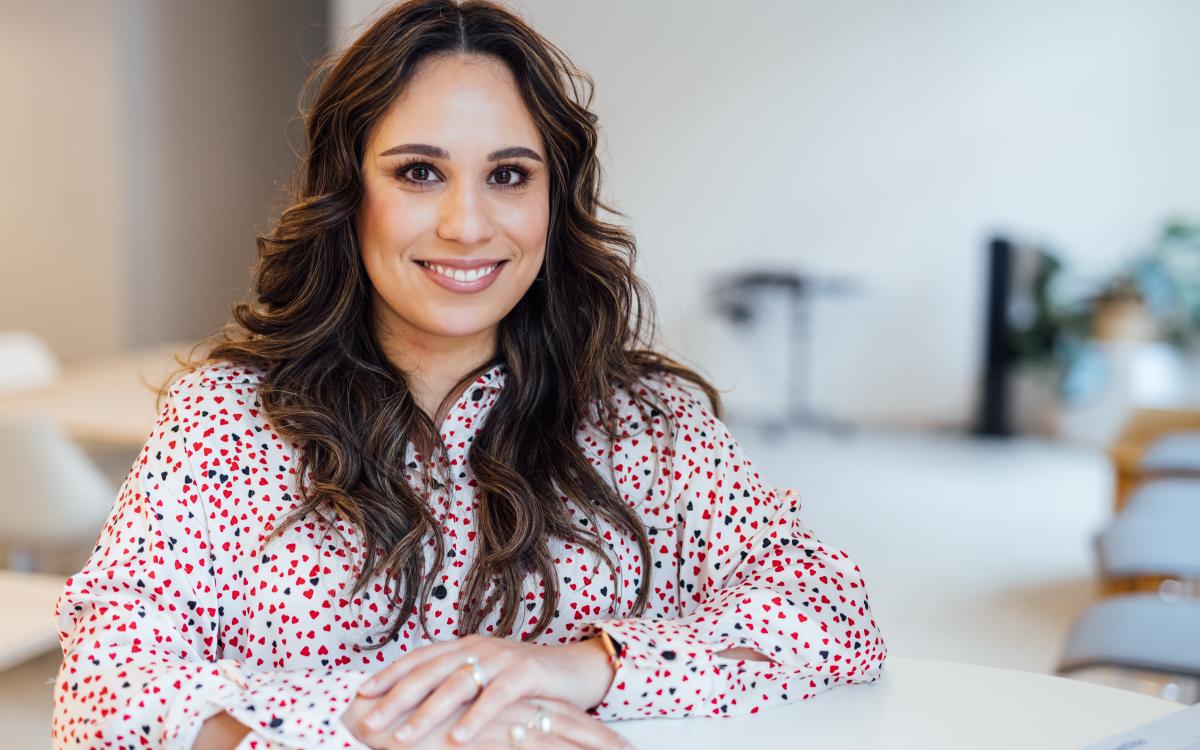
(146, 152)
(60, 206)
(213, 88)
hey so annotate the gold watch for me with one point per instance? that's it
(613, 648)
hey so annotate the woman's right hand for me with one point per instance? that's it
(571, 728)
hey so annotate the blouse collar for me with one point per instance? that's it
(493, 379)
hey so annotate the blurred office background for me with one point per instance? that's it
(942, 258)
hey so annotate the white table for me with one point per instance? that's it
(106, 401)
(27, 627)
(925, 704)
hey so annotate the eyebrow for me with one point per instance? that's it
(438, 153)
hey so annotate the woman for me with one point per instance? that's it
(438, 452)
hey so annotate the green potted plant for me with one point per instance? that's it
(1074, 337)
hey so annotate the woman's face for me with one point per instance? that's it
(455, 177)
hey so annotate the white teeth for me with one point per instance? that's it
(474, 274)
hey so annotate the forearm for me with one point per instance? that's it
(221, 732)
(593, 661)
(745, 654)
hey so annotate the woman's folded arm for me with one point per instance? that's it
(751, 576)
(140, 630)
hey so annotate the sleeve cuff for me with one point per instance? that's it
(198, 699)
(669, 667)
(300, 709)
(255, 741)
(655, 654)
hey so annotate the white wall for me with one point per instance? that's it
(881, 141)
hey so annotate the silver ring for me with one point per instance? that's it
(518, 735)
(476, 673)
(540, 721)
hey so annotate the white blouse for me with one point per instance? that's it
(183, 611)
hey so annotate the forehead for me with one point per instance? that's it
(469, 100)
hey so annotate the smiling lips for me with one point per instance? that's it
(462, 279)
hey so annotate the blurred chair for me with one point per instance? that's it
(53, 499)
(25, 362)
(1149, 560)
(1155, 443)
(1154, 543)
(1139, 633)
(1175, 452)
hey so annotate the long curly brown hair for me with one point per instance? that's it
(585, 331)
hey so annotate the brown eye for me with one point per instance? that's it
(416, 173)
(505, 177)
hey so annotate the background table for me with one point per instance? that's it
(107, 401)
(27, 628)
(924, 704)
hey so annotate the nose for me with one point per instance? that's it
(464, 216)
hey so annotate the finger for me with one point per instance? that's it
(385, 678)
(420, 686)
(413, 688)
(497, 734)
(418, 683)
(456, 690)
(516, 681)
(532, 743)
(355, 720)
(438, 738)
(543, 741)
(580, 727)
(492, 745)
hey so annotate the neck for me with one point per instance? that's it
(434, 365)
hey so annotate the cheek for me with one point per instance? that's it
(386, 225)
(527, 224)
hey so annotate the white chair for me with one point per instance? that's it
(1173, 452)
(25, 362)
(53, 499)
(1156, 534)
(1142, 639)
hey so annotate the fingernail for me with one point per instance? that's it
(375, 720)
(367, 687)
(403, 733)
(459, 734)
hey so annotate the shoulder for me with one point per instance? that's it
(651, 420)
(237, 384)
(661, 396)
(216, 378)
(696, 438)
(214, 399)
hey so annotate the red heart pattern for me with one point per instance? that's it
(183, 610)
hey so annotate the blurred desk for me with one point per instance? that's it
(107, 401)
(920, 703)
(27, 628)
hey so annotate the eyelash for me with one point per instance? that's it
(402, 169)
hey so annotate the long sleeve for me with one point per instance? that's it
(139, 626)
(750, 574)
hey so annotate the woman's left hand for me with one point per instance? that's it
(433, 681)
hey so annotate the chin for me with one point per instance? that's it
(448, 328)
